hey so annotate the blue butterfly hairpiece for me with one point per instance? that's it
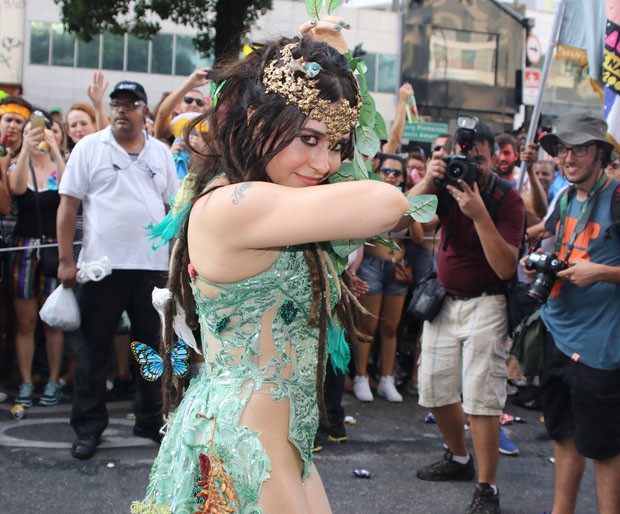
(152, 365)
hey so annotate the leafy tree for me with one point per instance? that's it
(221, 24)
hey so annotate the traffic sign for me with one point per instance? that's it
(531, 85)
(424, 132)
(533, 49)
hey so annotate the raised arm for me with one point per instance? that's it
(536, 199)
(96, 91)
(20, 174)
(398, 127)
(164, 113)
(5, 195)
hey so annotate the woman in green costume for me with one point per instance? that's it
(247, 269)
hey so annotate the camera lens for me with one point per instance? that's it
(541, 287)
(456, 169)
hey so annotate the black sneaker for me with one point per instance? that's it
(485, 501)
(448, 469)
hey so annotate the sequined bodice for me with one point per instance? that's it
(255, 332)
(256, 339)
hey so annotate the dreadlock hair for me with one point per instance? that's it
(247, 128)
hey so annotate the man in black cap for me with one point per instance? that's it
(580, 384)
(123, 179)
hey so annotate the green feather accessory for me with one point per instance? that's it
(174, 222)
(337, 347)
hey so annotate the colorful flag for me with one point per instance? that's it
(611, 72)
(581, 36)
(590, 35)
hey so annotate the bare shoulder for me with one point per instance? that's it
(217, 236)
(228, 205)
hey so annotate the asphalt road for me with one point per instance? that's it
(38, 475)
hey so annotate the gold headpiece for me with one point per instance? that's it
(15, 109)
(294, 80)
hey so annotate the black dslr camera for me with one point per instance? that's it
(460, 167)
(547, 265)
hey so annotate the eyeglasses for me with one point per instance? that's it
(389, 171)
(189, 99)
(578, 150)
(127, 106)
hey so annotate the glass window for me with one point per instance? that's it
(88, 53)
(137, 54)
(204, 61)
(113, 51)
(463, 55)
(388, 74)
(39, 42)
(63, 46)
(185, 62)
(161, 54)
(371, 72)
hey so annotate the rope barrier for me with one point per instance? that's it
(33, 247)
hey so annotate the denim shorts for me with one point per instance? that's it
(379, 273)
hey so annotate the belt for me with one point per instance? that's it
(488, 292)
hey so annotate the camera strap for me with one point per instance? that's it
(582, 220)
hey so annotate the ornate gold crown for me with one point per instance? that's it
(294, 80)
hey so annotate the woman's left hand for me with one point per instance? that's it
(328, 29)
(359, 287)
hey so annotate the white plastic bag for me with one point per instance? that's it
(61, 309)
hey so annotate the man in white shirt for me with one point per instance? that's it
(123, 179)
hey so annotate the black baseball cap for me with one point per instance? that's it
(127, 86)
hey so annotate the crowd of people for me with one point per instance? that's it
(271, 309)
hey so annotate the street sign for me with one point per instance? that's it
(424, 132)
(533, 49)
(531, 85)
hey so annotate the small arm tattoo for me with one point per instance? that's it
(238, 192)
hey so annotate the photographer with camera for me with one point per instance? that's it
(464, 346)
(580, 383)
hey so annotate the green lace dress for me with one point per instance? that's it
(278, 300)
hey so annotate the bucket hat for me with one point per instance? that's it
(576, 128)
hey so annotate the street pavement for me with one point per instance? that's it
(38, 475)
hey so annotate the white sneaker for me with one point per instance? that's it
(388, 390)
(361, 389)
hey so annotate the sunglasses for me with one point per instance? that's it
(389, 171)
(189, 100)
